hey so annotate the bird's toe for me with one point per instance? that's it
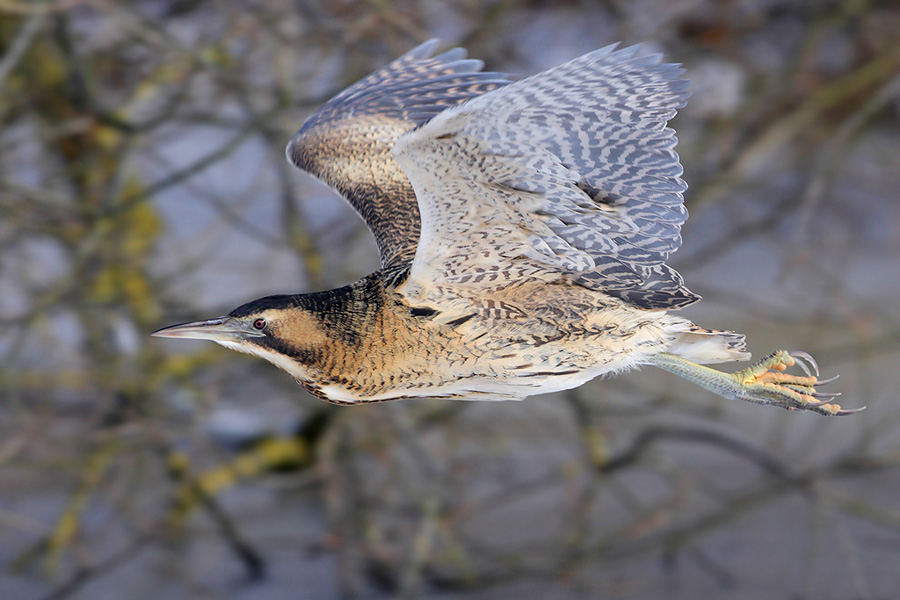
(767, 382)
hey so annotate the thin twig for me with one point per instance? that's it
(22, 41)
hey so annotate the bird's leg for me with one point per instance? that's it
(764, 382)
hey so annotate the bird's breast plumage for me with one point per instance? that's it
(527, 338)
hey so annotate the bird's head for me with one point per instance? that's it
(280, 329)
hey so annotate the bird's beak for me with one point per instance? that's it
(222, 329)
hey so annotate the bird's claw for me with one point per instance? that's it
(825, 381)
(766, 382)
(803, 360)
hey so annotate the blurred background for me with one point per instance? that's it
(143, 183)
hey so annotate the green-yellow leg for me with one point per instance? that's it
(764, 382)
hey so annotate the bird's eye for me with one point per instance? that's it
(259, 324)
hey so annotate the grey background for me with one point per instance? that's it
(142, 182)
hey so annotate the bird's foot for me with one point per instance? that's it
(766, 382)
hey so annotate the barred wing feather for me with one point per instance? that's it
(572, 170)
(347, 143)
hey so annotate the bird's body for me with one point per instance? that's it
(529, 337)
(523, 230)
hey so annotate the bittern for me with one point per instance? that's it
(523, 229)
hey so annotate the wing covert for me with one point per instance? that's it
(347, 143)
(572, 169)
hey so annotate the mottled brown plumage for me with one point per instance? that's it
(348, 142)
(523, 230)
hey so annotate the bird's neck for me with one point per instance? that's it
(348, 315)
(359, 324)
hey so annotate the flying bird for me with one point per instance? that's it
(523, 229)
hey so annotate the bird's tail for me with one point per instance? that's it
(706, 346)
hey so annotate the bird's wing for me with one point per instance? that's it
(347, 143)
(571, 171)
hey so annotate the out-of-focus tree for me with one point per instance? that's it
(142, 181)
